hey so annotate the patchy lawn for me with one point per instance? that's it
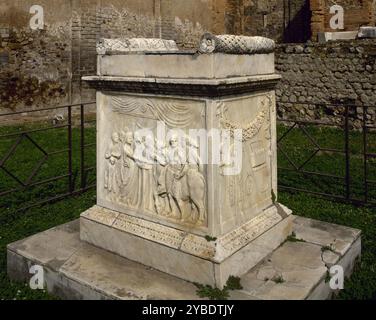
(25, 224)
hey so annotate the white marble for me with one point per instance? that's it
(340, 35)
(233, 44)
(188, 218)
(186, 65)
(218, 250)
(76, 270)
(367, 32)
(123, 46)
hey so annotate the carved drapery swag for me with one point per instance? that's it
(172, 114)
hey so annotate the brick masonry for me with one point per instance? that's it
(43, 68)
(34, 65)
(281, 20)
(356, 13)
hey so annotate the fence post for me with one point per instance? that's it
(365, 153)
(82, 147)
(70, 150)
(347, 152)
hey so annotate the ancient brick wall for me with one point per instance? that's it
(324, 74)
(44, 67)
(185, 23)
(356, 13)
(294, 20)
(34, 64)
(281, 20)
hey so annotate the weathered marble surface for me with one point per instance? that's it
(216, 251)
(302, 265)
(76, 270)
(367, 32)
(187, 219)
(185, 65)
(233, 44)
(188, 216)
(122, 46)
(146, 187)
(130, 186)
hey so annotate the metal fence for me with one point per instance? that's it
(55, 157)
(331, 155)
(45, 160)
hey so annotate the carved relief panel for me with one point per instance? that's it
(245, 195)
(140, 170)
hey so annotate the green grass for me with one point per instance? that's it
(292, 238)
(278, 280)
(25, 224)
(21, 164)
(18, 225)
(299, 148)
(205, 291)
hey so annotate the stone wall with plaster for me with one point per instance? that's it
(324, 74)
(34, 65)
(44, 67)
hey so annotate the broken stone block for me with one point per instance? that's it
(367, 32)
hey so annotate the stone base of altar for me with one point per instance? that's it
(76, 270)
(186, 255)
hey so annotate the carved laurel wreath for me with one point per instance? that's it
(251, 129)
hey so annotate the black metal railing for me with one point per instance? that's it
(332, 154)
(44, 159)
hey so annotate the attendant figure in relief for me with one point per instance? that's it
(145, 163)
(113, 171)
(129, 170)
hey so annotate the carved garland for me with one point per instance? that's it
(251, 129)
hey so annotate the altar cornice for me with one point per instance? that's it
(187, 87)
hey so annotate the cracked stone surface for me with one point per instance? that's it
(298, 264)
(324, 234)
(76, 270)
(302, 266)
(123, 278)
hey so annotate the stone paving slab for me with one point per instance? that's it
(340, 238)
(76, 270)
(298, 270)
